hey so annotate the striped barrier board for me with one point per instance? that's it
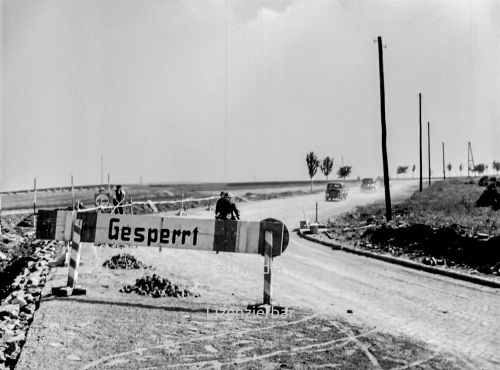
(55, 224)
(168, 232)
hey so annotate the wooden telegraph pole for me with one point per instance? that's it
(429, 148)
(102, 173)
(388, 211)
(444, 168)
(72, 193)
(420, 125)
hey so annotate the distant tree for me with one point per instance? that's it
(479, 168)
(312, 166)
(401, 169)
(460, 168)
(449, 167)
(327, 166)
(496, 166)
(413, 170)
(344, 171)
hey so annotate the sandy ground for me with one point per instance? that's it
(451, 316)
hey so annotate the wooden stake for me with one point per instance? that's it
(268, 260)
(72, 193)
(34, 203)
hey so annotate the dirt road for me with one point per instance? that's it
(454, 316)
(457, 316)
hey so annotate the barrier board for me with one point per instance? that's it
(166, 232)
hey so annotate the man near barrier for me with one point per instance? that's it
(119, 199)
(227, 210)
(218, 205)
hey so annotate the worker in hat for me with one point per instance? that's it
(119, 199)
(226, 209)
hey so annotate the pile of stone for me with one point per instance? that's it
(156, 287)
(22, 298)
(490, 198)
(125, 261)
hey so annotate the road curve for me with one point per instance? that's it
(456, 316)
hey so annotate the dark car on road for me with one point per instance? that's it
(368, 185)
(336, 190)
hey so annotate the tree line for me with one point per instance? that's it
(326, 166)
(478, 169)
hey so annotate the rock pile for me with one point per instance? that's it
(156, 286)
(490, 198)
(125, 261)
(21, 299)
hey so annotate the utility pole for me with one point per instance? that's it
(72, 193)
(102, 173)
(420, 125)
(429, 148)
(444, 168)
(388, 210)
(468, 161)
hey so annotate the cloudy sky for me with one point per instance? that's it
(241, 90)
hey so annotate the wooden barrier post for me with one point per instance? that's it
(74, 262)
(34, 204)
(72, 193)
(268, 261)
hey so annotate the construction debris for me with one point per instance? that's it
(125, 261)
(156, 287)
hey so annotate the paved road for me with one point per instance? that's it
(456, 316)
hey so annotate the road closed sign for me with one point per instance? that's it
(181, 232)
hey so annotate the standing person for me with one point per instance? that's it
(218, 205)
(227, 209)
(119, 199)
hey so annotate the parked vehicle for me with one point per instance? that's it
(368, 184)
(336, 190)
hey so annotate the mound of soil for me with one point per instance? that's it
(125, 261)
(156, 287)
(27, 221)
(489, 198)
(449, 245)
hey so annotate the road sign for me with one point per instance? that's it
(174, 232)
(101, 200)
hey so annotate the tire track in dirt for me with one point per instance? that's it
(141, 350)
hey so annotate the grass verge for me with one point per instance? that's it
(438, 226)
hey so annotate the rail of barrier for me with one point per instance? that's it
(147, 202)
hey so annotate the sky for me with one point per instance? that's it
(239, 90)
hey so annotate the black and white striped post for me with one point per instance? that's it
(268, 261)
(74, 262)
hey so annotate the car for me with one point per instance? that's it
(336, 190)
(368, 184)
(483, 181)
